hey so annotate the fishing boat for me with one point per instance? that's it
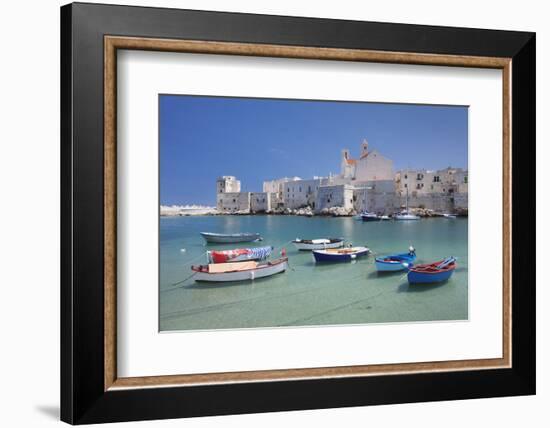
(230, 238)
(406, 215)
(340, 254)
(432, 272)
(385, 217)
(449, 216)
(318, 244)
(239, 255)
(395, 262)
(366, 216)
(239, 271)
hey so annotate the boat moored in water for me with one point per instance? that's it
(432, 273)
(406, 215)
(395, 262)
(366, 216)
(230, 238)
(318, 244)
(239, 271)
(238, 255)
(340, 254)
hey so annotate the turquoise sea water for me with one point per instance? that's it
(309, 293)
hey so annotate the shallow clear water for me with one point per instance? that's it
(309, 293)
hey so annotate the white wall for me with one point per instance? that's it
(29, 225)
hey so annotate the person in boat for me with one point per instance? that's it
(412, 251)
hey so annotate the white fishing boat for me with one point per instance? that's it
(406, 215)
(449, 216)
(318, 244)
(340, 254)
(230, 238)
(239, 271)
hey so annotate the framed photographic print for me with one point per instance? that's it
(265, 213)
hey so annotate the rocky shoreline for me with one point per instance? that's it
(304, 212)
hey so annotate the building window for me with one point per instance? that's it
(406, 176)
(234, 201)
(436, 178)
(300, 189)
(419, 176)
(466, 179)
(405, 184)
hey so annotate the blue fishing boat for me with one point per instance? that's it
(340, 254)
(432, 272)
(395, 262)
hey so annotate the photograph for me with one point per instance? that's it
(301, 213)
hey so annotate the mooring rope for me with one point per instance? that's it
(183, 280)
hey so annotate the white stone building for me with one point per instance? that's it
(370, 166)
(233, 202)
(276, 188)
(228, 184)
(441, 190)
(364, 184)
(376, 196)
(302, 193)
(340, 195)
(260, 202)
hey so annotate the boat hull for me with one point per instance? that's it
(305, 246)
(431, 278)
(220, 238)
(326, 256)
(370, 218)
(406, 217)
(261, 271)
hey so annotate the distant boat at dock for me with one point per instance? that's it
(318, 244)
(230, 238)
(406, 215)
(366, 216)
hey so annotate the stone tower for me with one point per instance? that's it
(227, 184)
(364, 148)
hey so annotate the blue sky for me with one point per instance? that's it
(202, 138)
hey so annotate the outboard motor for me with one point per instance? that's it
(412, 250)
